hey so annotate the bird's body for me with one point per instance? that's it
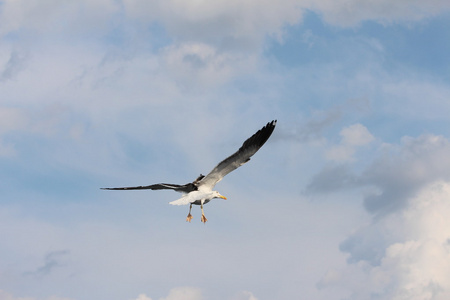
(196, 197)
(200, 191)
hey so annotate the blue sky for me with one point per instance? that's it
(347, 200)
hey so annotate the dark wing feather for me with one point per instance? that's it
(186, 188)
(248, 148)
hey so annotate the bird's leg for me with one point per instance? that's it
(204, 219)
(189, 216)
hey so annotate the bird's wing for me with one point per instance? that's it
(248, 148)
(186, 188)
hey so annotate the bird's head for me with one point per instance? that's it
(218, 195)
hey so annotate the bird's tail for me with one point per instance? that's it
(182, 201)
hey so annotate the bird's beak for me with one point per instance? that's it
(223, 197)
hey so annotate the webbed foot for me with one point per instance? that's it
(204, 219)
(189, 218)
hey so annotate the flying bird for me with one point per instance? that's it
(200, 191)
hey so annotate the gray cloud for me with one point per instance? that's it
(15, 64)
(397, 174)
(333, 178)
(402, 171)
(52, 260)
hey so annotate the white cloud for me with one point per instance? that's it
(231, 24)
(404, 252)
(52, 16)
(143, 297)
(412, 252)
(352, 137)
(356, 135)
(244, 295)
(351, 12)
(185, 293)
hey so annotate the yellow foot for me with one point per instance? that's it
(189, 218)
(204, 219)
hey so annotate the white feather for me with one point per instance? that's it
(192, 197)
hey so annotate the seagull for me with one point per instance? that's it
(200, 191)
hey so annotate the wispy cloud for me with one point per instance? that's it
(52, 261)
(315, 126)
(13, 66)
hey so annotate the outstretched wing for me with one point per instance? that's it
(185, 188)
(248, 148)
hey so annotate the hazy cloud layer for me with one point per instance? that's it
(226, 24)
(7, 296)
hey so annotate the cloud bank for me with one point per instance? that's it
(404, 255)
(404, 251)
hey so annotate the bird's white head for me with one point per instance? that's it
(216, 194)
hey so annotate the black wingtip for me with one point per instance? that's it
(261, 136)
(270, 124)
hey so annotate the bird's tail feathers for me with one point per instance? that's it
(182, 201)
